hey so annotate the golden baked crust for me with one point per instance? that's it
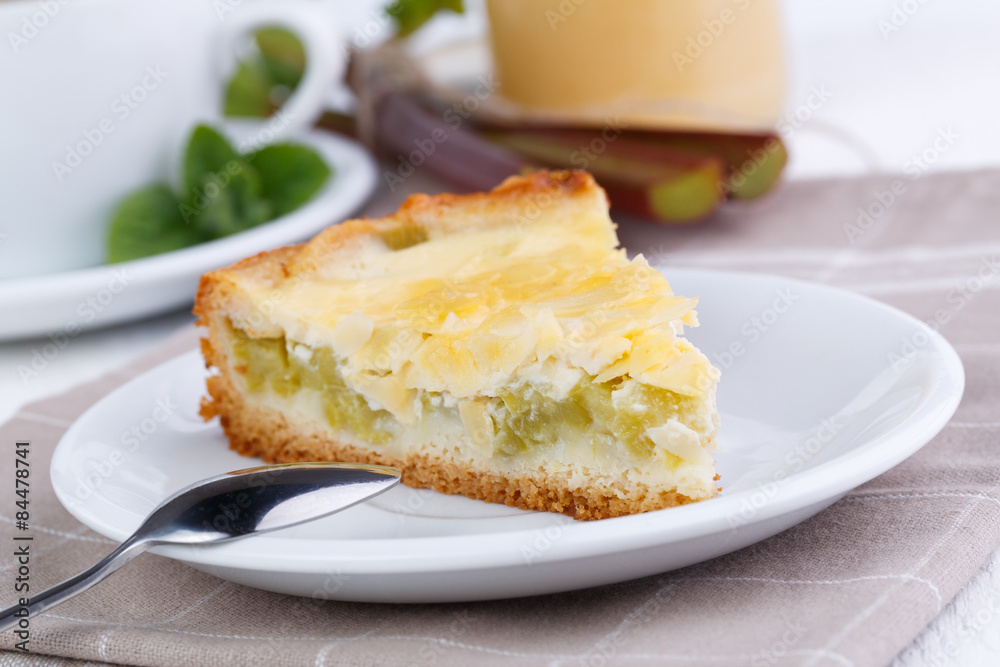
(257, 429)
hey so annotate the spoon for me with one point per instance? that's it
(219, 509)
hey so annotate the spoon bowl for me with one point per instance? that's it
(259, 500)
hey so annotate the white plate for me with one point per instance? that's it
(811, 408)
(64, 304)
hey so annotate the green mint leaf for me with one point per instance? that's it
(290, 174)
(282, 54)
(265, 78)
(229, 201)
(149, 222)
(224, 193)
(248, 93)
(208, 152)
(410, 15)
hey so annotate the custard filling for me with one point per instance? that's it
(523, 417)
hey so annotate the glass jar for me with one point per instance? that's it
(682, 64)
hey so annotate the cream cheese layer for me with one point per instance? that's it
(468, 312)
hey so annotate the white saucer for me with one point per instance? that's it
(823, 391)
(64, 304)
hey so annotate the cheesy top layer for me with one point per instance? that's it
(466, 312)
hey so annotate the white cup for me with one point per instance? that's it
(98, 96)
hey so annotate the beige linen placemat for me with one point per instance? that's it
(852, 586)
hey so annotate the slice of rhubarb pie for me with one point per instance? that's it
(496, 345)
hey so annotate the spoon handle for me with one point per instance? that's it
(126, 551)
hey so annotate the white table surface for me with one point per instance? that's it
(890, 95)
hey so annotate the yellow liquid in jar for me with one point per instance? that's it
(706, 64)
